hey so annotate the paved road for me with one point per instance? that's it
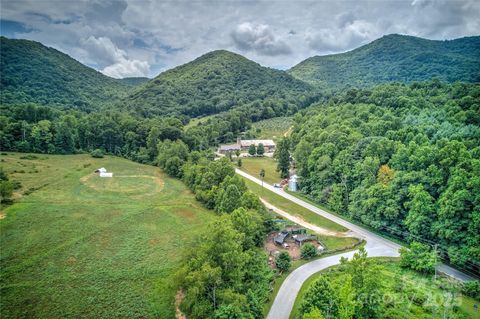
(376, 246)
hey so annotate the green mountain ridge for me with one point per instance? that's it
(133, 81)
(213, 83)
(34, 73)
(394, 58)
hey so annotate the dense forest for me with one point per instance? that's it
(403, 159)
(216, 82)
(34, 73)
(394, 58)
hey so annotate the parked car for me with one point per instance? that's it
(276, 185)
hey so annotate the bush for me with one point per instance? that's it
(472, 289)
(308, 251)
(98, 153)
(419, 258)
(283, 261)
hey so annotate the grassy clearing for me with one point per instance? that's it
(403, 285)
(253, 165)
(83, 246)
(293, 208)
(273, 128)
(198, 120)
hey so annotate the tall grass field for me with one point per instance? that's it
(75, 245)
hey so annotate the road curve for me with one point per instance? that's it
(376, 246)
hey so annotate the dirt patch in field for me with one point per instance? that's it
(2, 215)
(273, 250)
(71, 260)
(184, 212)
(178, 300)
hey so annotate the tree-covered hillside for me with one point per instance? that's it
(135, 81)
(402, 159)
(34, 73)
(216, 82)
(394, 58)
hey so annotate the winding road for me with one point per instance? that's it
(376, 246)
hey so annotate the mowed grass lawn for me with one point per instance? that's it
(81, 246)
(253, 166)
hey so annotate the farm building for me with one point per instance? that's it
(229, 148)
(269, 145)
(301, 238)
(280, 237)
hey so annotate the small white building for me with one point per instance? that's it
(293, 183)
(102, 172)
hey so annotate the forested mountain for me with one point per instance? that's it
(394, 58)
(216, 82)
(34, 73)
(402, 159)
(135, 81)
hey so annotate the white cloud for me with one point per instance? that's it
(260, 38)
(127, 68)
(117, 61)
(130, 36)
(351, 34)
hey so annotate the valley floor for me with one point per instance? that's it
(77, 245)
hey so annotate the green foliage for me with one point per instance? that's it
(321, 296)
(252, 150)
(216, 82)
(34, 73)
(403, 293)
(419, 257)
(313, 314)
(394, 58)
(283, 261)
(364, 272)
(472, 289)
(260, 149)
(97, 153)
(6, 191)
(308, 251)
(402, 159)
(226, 276)
(262, 174)
(282, 155)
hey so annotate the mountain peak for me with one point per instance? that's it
(394, 57)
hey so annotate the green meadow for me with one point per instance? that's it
(75, 245)
(253, 166)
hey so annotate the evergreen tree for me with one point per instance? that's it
(252, 150)
(283, 157)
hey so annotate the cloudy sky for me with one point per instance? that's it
(124, 38)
